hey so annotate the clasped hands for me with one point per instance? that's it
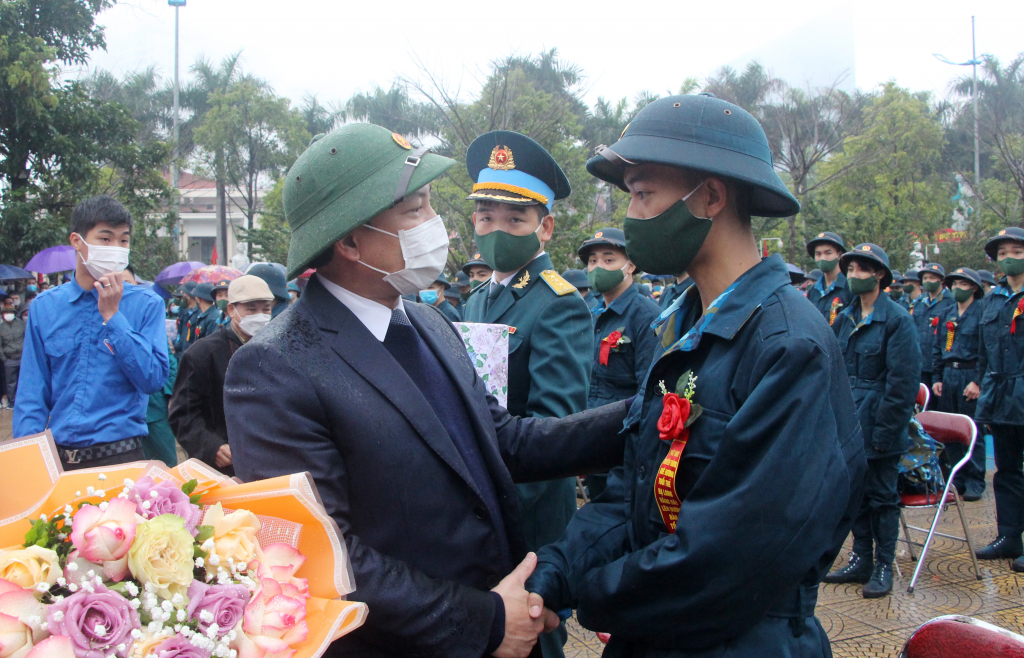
(525, 615)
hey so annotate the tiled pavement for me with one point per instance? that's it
(859, 627)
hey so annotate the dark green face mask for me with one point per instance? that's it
(603, 280)
(505, 252)
(895, 293)
(827, 265)
(222, 304)
(1012, 266)
(668, 242)
(931, 286)
(909, 289)
(861, 286)
(474, 283)
(961, 295)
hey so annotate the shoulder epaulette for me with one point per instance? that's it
(559, 285)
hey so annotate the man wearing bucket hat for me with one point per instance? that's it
(934, 303)
(433, 295)
(830, 293)
(477, 270)
(879, 343)
(516, 183)
(578, 280)
(624, 343)
(955, 372)
(197, 403)
(665, 561)
(377, 398)
(1001, 404)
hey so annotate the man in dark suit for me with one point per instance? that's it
(377, 398)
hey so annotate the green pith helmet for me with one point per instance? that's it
(344, 179)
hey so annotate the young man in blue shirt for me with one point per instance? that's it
(95, 349)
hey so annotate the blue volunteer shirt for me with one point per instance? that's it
(90, 382)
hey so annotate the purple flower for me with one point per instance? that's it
(178, 647)
(169, 499)
(96, 622)
(223, 605)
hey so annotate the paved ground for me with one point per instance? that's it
(859, 627)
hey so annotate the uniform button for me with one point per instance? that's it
(480, 513)
(643, 471)
(492, 581)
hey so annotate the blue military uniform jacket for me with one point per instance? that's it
(592, 299)
(631, 314)
(1001, 359)
(926, 316)
(670, 294)
(549, 355)
(966, 338)
(206, 323)
(826, 300)
(739, 575)
(450, 311)
(883, 362)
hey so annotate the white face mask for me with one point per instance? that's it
(250, 324)
(8, 317)
(425, 250)
(104, 260)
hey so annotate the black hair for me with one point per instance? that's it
(29, 296)
(541, 210)
(867, 263)
(131, 269)
(102, 208)
(323, 259)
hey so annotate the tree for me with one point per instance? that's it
(891, 190)
(254, 135)
(58, 144)
(271, 240)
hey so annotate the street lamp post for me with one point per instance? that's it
(177, 4)
(974, 99)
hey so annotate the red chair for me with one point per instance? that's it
(956, 635)
(944, 428)
(924, 395)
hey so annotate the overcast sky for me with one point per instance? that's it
(335, 48)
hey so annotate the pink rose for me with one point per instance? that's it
(55, 646)
(17, 607)
(280, 562)
(274, 622)
(154, 499)
(104, 536)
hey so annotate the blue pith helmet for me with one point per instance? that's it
(702, 133)
(610, 236)
(871, 253)
(967, 274)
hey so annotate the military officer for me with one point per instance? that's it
(478, 271)
(879, 342)
(579, 280)
(551, 335)
(830, 293)
(624, 343)
(671, 293)
(926, 309)
(955, 373)
(698, 545)
(1001, 404)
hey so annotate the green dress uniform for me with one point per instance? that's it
(549, 362)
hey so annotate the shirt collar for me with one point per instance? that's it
(623, 301)
(504, 282)
(74, 290)
(375, 316)
(840, 282)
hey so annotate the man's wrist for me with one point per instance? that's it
(497, 635)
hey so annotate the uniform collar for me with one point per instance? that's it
(623, 301)
(840, 282)
(75, 291)
(879, 312)
(505, 281)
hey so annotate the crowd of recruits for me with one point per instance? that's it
(960, 328)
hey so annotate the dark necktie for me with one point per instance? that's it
(494, 293)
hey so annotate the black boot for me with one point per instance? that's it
(880, 583)
(1003, 547)
(1018, 564)
(858, 570)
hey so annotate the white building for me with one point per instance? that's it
(198, 229)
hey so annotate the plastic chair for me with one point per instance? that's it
(924, 395)
(957, 635)
(944, 428)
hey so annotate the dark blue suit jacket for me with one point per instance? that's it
(315, 391)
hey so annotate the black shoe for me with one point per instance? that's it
(1018, 564)
(974, 493)
(1003, 547)
(880, 583)
(858, 570)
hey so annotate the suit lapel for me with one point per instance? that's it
(353, 342)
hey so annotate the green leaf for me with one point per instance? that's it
(195, 498)
(190, 486)
(204, 533)
(681, 383)
(695, 410)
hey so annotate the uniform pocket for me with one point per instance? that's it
(870, 357)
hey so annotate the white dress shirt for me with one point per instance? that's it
(504, 282)
(375, 316)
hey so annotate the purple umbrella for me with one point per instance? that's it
(172, 273)
(55, 259)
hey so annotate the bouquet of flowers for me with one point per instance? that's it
(139, 561)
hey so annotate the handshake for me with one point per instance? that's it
(525, 615)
